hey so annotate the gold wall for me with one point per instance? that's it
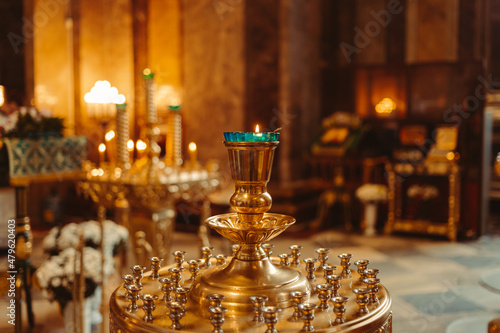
(106, 49)
(77, 43)
(51, 65)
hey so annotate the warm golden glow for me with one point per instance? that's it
(450, 156)
(140, 145)
(2, 95)
(102, 148)
(385, 106)
(110, 135)
(102, 92)
(120, 99)
(146, 71)
(192, 146)
(257, 129)
(130, 145)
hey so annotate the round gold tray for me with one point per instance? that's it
(378, 320)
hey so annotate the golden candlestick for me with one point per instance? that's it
(250, 272)
(253, 284)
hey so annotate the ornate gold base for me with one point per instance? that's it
(378, 320)
(241, 279)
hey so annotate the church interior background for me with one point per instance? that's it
(151, 151)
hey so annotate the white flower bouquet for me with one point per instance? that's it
(66, 237)
(56, 276)
(372, 193)
(30, 123)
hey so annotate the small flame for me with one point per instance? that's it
(110, 135)
(102, 148)
(130, 145)
(192, 146)
(257, 129)
(140, 145)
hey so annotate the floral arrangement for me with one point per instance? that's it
(56, 276)
(372, 193)
(60, 239)
(30, 123)
(425, 192)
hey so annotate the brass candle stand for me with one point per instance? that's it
(250, 272)
(255, 290)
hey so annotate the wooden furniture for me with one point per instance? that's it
(411, 214)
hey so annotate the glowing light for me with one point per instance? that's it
(146, 71)
(385, 106)
(110, 135)
(257, 129)
(120, 99)
(192, 146)
(2, 95)
(103, 93)
(102, 148)
(130, 145)
(140, 145)
(450, 156)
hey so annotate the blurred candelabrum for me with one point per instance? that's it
(146, 182)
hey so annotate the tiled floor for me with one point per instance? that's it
(432, 282)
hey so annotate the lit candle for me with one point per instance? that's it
(192, 153)
(130, 148)
(141, 147)
(256, 136)
(110, 135)
(110, 147)
(102, 152)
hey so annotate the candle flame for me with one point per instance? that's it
(110, 135)
(130, 145)
(192, 146)
(102, 148)
(140, 145)
(257, 129)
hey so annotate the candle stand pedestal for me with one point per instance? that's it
(251, 273)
